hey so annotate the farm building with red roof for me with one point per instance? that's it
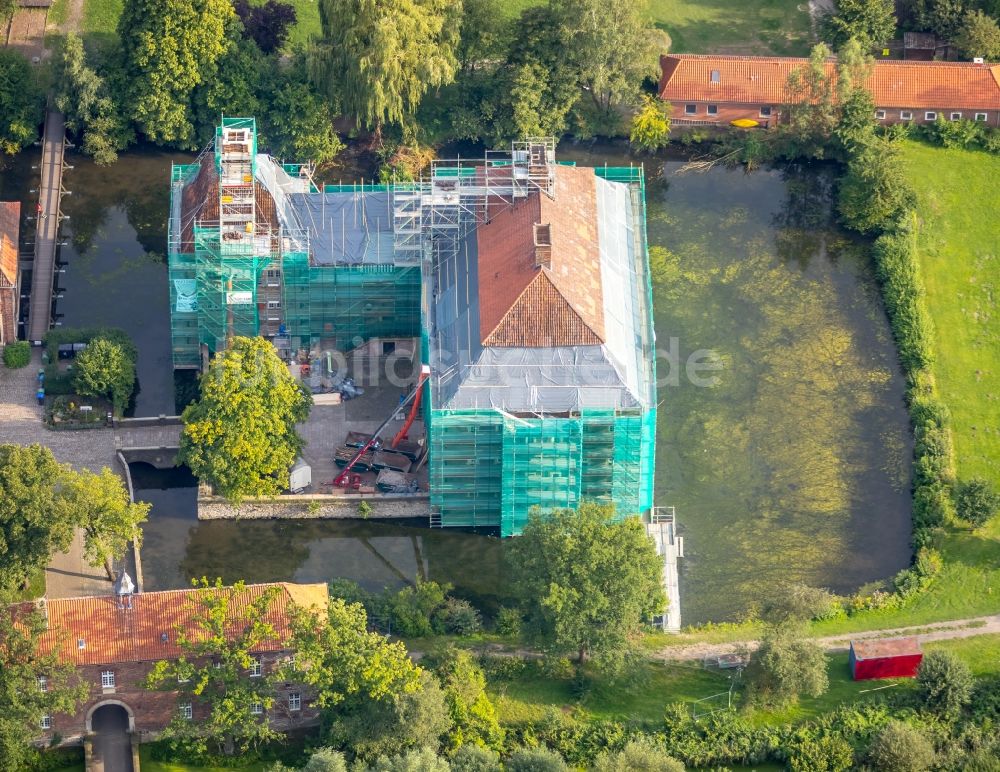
(115, 641)
(716, 90)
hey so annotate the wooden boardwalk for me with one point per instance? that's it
(662, 528)
(47, 234)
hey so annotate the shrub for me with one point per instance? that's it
(977, 502)
(901, 748)
(412, 609)
(640, 754)
(458, 617)
(17, 354)
(944, 683)
(932, 506)
(501, 668)
(799, 601)
(954, 134)
(785, 666)
(826, 753)
(535, 760)
(508, 621)
(472, 758)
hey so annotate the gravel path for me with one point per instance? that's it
(937, 631)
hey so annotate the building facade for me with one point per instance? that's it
(115, 642)
(10, 213)
(717, 90)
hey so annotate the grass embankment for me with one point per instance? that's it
(779, 27)
(148, 764)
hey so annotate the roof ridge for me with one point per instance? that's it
(780, 59)
(174, 591)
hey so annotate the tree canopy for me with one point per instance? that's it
(110, 520)
(378, 59)
(34, 518)
(979, 35)
(651, 124)
(786, 666)
(869, 22)
(25, 701)
(21, 102)
(977, 501)
(169, 48)
(106, 368)
(586, 581)
(240, 436)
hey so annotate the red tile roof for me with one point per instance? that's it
(547, 296)
(880, 648)
(763, 80)
(114, 634)
(10, 214)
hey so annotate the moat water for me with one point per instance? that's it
(793, 466)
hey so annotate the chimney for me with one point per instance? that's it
(543, 245)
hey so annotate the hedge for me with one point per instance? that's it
(17, 354)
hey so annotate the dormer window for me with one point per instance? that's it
(716, 76)
(543, 245)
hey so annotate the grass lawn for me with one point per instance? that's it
(306, 22)
(726, 26)
(101, 16)
(36, 587)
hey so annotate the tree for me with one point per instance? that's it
(823, 753)
(856, 124)
(234, 89)
(901, 748)
(214, 671)
(34, 521)
(651, 124)
(875, 190)
(21, 102)
(84, 98)
(473, 716)
(586, 583)
(640, 755)
(377, 60)
(942, 17)
(944, 683)
(539, 759)
(977, 502)
(612, 49)
(169, 48)
(22, 665)
(109, 518)
(484, 36)
(785, 666)
(812, 111)
(268, 24)
(297, 124)
(979, 35)
(106, 368)
(472, 758)
(240, 435)
(869, 22)
(415, 760)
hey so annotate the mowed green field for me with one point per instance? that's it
(695, 26)
(758, 27)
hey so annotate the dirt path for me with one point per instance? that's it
(74, 18)
(937, 631)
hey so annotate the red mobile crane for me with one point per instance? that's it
(414, 396)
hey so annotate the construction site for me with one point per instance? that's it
(482, 336)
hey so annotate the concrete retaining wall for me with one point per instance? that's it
(330, 507)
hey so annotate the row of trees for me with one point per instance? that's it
(970, 25)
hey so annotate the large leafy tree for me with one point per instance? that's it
(267, 24)
(169, 48)
(109, 518)
(85, 99)
(474, 716)
(34, 519)
(979, 35)
(870, 22)
(219, 643)
(786, 665)
(106, 368)
(298, 125)
(240, 436)
(586, 582)
(25, 701)
(378, 58)
(20, 102)
(812, 110)
(875, 189)
(944, 683)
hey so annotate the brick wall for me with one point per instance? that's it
(153, 710)
(8, 314)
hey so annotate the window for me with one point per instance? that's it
(713, 109)
(765, 112)
(108, 679)
(46, 722)
(255, 667)
(43, 683)
(880, 115)
(906, 115)
(930, 115)
(186, 712)
(980, 116)
(256, 708)
(716, 76)
(274, 304)
(956, 116)
(294, 701)
(690, 109)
